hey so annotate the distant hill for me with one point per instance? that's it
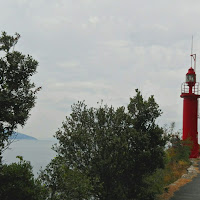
(20, 136)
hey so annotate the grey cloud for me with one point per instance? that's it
(92, 50)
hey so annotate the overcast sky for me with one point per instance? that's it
(104, 49)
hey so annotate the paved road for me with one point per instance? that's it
(190, 191)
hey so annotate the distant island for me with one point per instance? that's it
(21, 136)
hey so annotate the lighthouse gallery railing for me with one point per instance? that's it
(185, 88)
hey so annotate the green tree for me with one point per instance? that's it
(17, 182)
(114, 149)
(17, 92)
(64, 183)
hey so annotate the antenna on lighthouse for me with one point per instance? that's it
(193, 56)
(192, 46)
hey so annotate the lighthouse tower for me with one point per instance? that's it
(190, 95)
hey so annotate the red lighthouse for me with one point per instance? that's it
(190, 97)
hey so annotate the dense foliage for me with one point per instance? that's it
(176, 163)
(17, 92)
(177, 158)
(17, 182)
(64, 183)
(112, 150)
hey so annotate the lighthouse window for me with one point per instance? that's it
(189, 78)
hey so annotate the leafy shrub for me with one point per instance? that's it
(17, 182)
(176, 158)
(64, 183)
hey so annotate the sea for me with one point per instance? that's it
(38, 152)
